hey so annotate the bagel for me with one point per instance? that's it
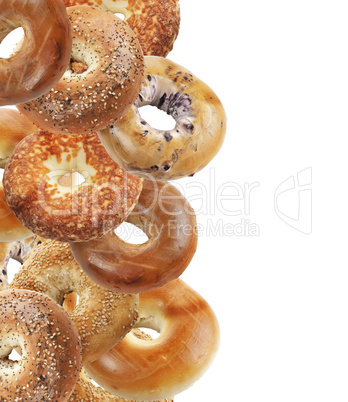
(11, 229)
(49, 344)
(18, 250)
(102, 318)
(33, 190)
(106, 82)
(161, 368)
(13, 128)
(42, 58)
(168, 154)
(170, 224)
(155, 22)
(86, 391)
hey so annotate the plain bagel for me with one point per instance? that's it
(13, 128)
(42, 58)
(11, 229)
(86, 391)
(168, 220)
(161, 368)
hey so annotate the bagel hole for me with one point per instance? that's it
(14, 355)
(131, 233)
(149, 332)
(71, 300)
(11, 43)
(78, 67)
(120, 16)
(71, 179)
(13, 267)
(157, 118)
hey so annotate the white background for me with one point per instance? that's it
(280, 68)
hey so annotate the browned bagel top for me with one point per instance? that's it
(68, 213)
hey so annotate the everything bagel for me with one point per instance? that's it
(49, 345)
(103, 85)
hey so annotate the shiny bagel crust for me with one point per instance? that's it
(161, 368)
(49, 345)
(168, 154)
(85, 391)
(67, 213)
(83, 102)
(13, 128)
(156, 23)
(102, 318)
(11, 229)
(168, 220)
(43, 56)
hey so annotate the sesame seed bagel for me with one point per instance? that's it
(161, 368)
(49, 344)
(168, 220)
(168, 154)
(102, 318)
(33, 190)
(106, 82)
(13, 128)
(41, 59)
(155, 22)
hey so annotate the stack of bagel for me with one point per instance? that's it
(79, 160)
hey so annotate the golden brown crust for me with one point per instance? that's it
(78, 213)
(87, 102)
(168, 154)
(102, 318)
(188, 341)
(50, 346)
(44, 55)
(168, 220)
(13, 128)
(85, 391)
(155, 22)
